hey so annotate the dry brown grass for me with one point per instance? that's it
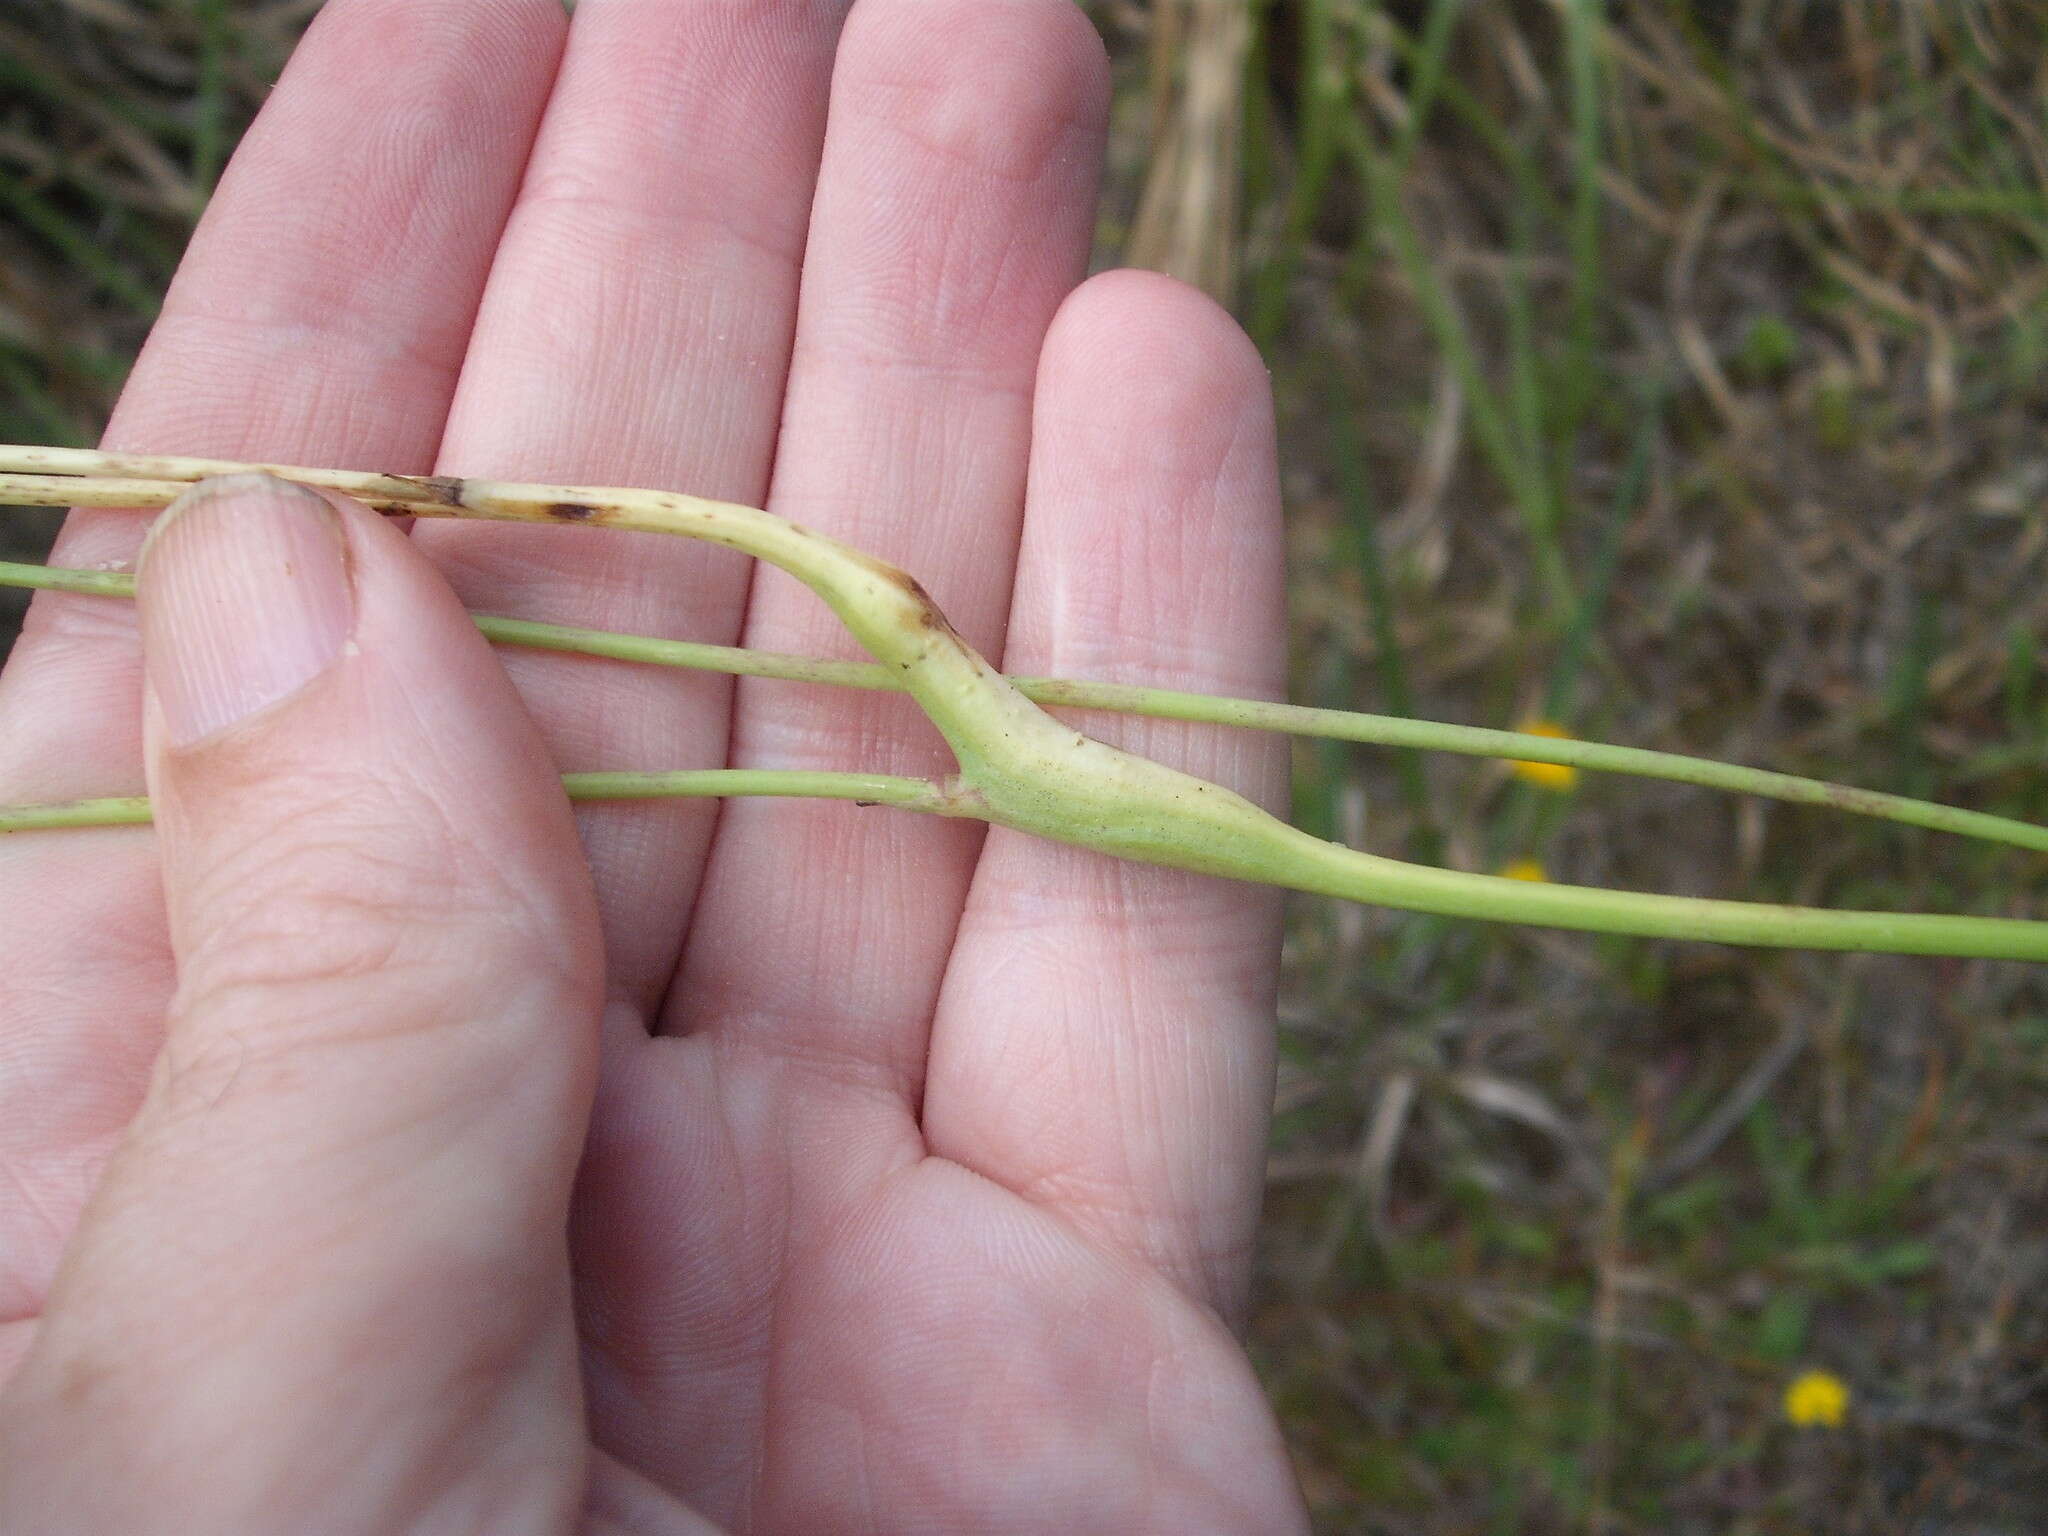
(1554, 1219)
(1188, 212)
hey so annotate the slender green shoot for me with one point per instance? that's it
(1528, 418)
(1362, 541)
(1429, 65)
(1396, 731)
(209, 120)
(1021, 768)
(1583, 20)
(1498, 434)
(1132, 821)
(1326, 96)
(931, 796)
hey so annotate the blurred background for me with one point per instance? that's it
(1671, 373)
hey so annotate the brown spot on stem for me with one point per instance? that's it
(448, 490)
(571, 511)
(1849, 798)
(928, 611)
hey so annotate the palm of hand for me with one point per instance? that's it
(920, 1181)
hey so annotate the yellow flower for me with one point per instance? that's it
(1817, 1398)
(1555, 776)
(1523, 869)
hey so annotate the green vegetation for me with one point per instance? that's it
(1688, 363)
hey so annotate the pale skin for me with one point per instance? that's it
(779, 1167)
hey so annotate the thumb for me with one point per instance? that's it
(326, 1270)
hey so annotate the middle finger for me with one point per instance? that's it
(636, 331)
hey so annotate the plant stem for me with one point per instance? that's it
(932, 796)
(1299, 862)
(1021, 768)
(1397, 731)
(127, 811)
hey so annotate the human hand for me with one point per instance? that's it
(906, 1174)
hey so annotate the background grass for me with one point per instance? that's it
(1675, 371)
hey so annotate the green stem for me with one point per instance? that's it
(1209, 709)
(932, 796)
(119, 811)
(1020, 767)
(928, 795)
(1312, 865)
(210, 97)
(1275, 854)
